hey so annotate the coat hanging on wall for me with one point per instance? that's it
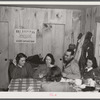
(87, 50)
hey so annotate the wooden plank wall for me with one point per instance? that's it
(33, 18)
(91, 14)
(68, 23)
(92, 17)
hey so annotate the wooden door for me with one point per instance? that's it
(3, 54)
(97, 45)
(58, 43)
(53, 42)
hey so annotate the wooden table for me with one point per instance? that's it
(97, 88)
(22, 85)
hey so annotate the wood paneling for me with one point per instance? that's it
(82, 21)
(53, 39)
(97, 46)
(68, 29)
(76, 25)
(34, 18)
(58, 43)
(75, 21)
(47, 40)
(92, 18)
(4, 55)
(53, 42)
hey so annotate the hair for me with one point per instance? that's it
(72, 46)
(79, 36)
(94, 61)
(35, 59)
(88, 35)
(52, 58)
(70, 50)
(19, 56)
(54, 74)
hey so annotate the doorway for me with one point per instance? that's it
(53, 42)
(4, 54)
(97, 45)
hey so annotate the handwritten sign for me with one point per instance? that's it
(25, 36)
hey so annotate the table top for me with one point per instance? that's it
(32, 85)
(24, 85)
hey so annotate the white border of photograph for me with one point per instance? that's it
(40, 95)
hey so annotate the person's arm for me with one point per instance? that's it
(15, 74)
(36, 73)
(43, 86)
(41, 69)
(12, 74)
(10, 70)
(68, 88)
(29, 69)
(75, 72)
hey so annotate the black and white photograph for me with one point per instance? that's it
(49, 47)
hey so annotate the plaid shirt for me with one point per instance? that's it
(23, 85)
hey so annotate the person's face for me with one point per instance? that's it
(22, 61)
(67, 56)
(89, 63)
(48, 60)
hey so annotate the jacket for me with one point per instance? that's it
(89, 73)
(72, 70)
(24, 72)
(41, 69)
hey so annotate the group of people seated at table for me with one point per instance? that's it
(54, 78)
(78, 68)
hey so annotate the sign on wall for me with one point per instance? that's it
(25, 36)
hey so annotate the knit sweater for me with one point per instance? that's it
(24, 72)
